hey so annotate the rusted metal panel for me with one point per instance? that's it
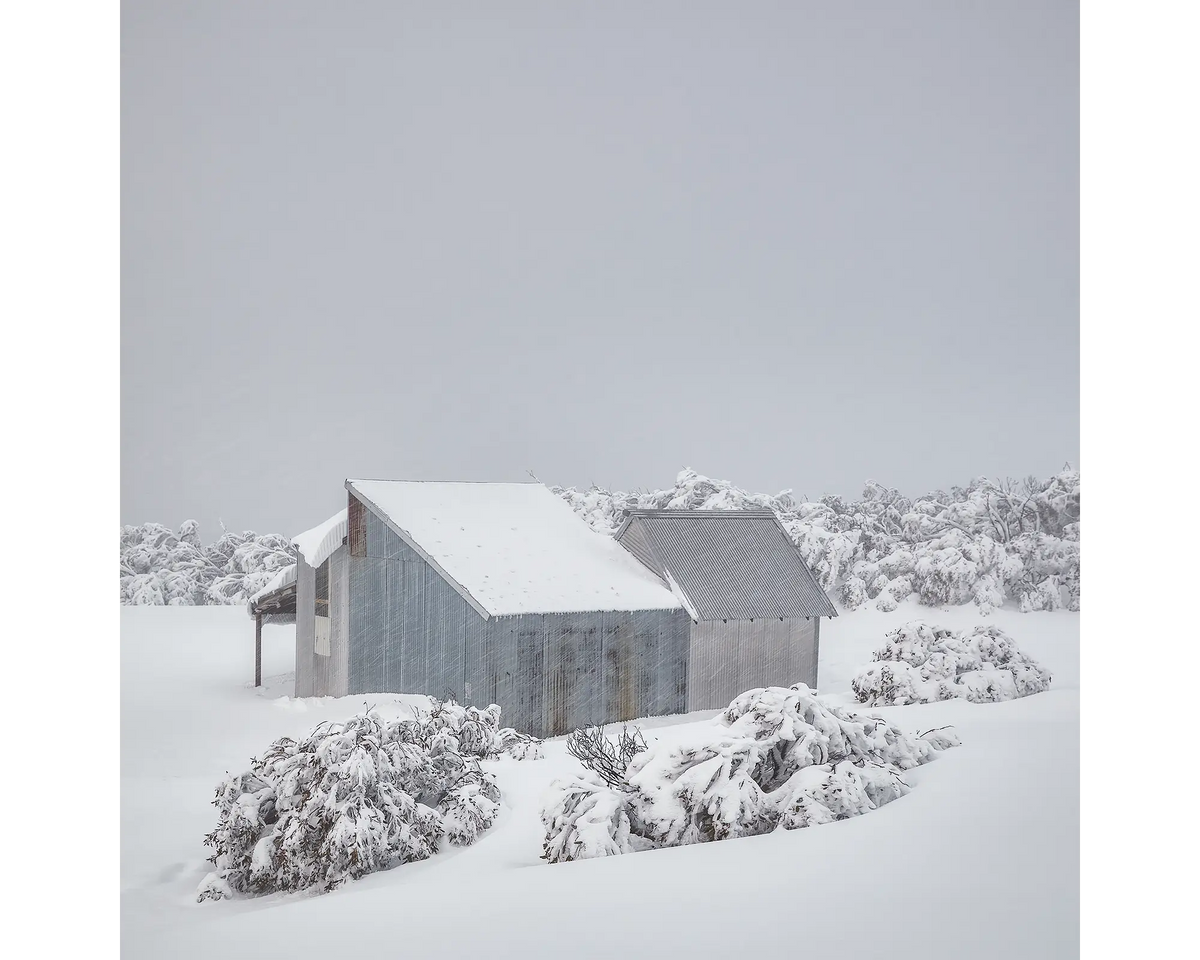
(575, 661)
(356, 527)
(529, 690)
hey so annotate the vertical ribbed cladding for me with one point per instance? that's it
(728, 658)
(731, 565)
(632, 537)
(336, 667)
(305, 624)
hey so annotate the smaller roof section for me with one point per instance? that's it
(726, 564)
(278, 596)
(319, 544)
(513, 548)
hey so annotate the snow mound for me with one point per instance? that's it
(356, 797)
(776, 758)
(923, 663)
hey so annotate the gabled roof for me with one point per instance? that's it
(513, 548)
(726, 564)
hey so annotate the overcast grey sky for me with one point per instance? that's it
(787, 244)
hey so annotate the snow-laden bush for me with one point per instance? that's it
(477, 731)
(776, 758)
(160, 567)
(984, 543)
(923, 663)
(355, 797)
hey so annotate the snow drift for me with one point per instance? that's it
(923, 663)
(356, 797)
(775, 758)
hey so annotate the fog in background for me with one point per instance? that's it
(789, 244)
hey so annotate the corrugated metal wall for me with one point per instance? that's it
(337, 664)
(727, 658)
(411, 632)
(305, 622)
(318, 675)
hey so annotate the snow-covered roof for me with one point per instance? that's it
(282, 579)
(514, 548)
(318, 544)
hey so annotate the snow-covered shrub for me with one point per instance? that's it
(984, 543)
(355, 797)
(775, 758)
(477, 732)
(923, 663)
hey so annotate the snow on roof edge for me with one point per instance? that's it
(318, 544)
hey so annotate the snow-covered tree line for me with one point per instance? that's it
(776, 758)
(159, 566)
(984, 543)
(355, 797)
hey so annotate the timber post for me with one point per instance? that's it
(258, 649)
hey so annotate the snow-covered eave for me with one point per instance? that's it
(317, 545)
(598, 608)
(281, 581)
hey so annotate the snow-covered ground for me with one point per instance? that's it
(980, 860)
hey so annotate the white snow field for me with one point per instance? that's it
(981, 859)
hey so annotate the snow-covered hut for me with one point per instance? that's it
(500, 593)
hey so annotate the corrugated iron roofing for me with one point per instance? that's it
(730, 564)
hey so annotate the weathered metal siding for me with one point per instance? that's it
(331, 673)
(732, 565)
(305, 629)
(727, 658)
(318, 675)
(606, 667)
(409, 631)
(813, 666)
